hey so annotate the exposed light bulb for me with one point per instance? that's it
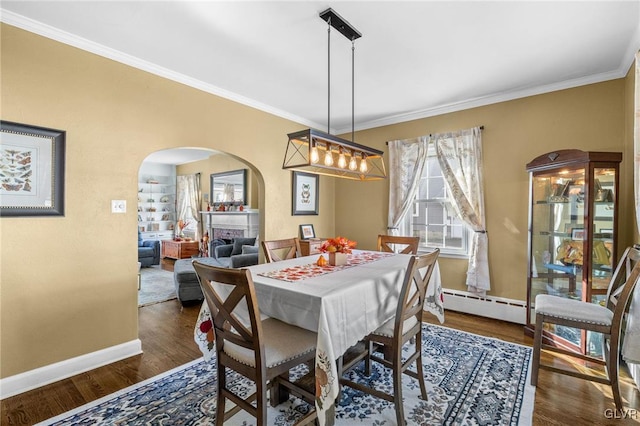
(353, 165)
(315, 157)
(342, 162)
(363, 164)
(328, 157)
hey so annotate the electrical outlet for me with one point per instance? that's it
(118, 206)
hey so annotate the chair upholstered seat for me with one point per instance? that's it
(285, 343)
(574, 310)
(386, 329)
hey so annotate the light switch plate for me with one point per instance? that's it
(118, 206)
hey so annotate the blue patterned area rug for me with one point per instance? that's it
(471, 380)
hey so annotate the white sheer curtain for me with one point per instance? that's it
(460, 157)
(631, 343)
(188, 202)
(406, 161)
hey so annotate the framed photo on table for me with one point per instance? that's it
(305, 191)
(307, 232)
(577, 234)
(32, 160)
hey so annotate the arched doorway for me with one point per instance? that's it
(165, 166)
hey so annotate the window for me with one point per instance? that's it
(433, 217)
(187, 203)
(192, 222)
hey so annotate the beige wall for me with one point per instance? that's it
(68, 284)
(591, 118)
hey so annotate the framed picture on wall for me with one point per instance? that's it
(32, 160)
(305, 191)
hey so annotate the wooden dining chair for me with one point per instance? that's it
(607, 319)
(262, 350)
(276, 250)
(395, 333)
(407, 245)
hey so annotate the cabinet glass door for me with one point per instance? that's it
(557, 239)
(603, 226)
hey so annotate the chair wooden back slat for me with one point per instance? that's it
(414, 289)
(277, 250)
(409, 244)
(623, 283)
(227, 324)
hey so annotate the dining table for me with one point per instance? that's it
(342, 304)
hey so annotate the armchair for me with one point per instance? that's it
(148, 252)
(242, 252)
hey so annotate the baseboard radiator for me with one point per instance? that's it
(489, 306)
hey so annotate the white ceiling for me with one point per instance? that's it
(415, 58)
(179, 156)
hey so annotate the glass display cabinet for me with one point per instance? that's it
(573, 223)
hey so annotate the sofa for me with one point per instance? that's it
(240, 253)
(148, 252)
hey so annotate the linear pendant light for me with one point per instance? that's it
(317, 152)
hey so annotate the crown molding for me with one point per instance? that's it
(485, 100)
(98, 49)
(50, 32)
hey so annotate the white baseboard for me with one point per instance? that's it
(32, 379)
(489, 306)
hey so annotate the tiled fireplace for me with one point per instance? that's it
(227, 233)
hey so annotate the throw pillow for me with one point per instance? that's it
(249, 249)
(239, 242)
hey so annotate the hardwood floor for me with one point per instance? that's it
(166, 331)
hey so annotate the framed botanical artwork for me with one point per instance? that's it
(305, 190)
(307, 232)
(32, 162)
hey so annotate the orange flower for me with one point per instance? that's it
(337, 245)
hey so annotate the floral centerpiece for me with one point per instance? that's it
(338, 248)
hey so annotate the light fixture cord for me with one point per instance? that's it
(353, 79)
(329, 75)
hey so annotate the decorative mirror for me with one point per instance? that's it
(229, 188)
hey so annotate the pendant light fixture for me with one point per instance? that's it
(317, 152)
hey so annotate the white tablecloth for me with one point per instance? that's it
(342, 307)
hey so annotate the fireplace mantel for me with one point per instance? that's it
(227, 225)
